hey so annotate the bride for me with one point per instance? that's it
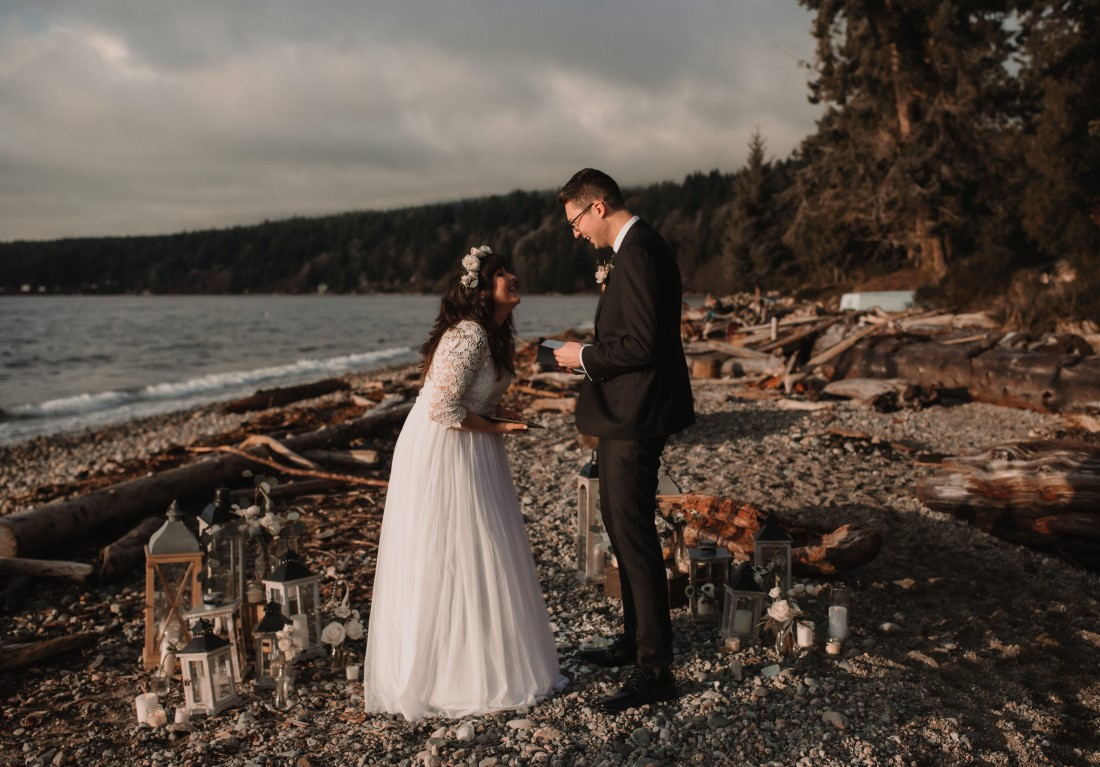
(458, 624)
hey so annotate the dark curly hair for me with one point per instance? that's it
(462, 303)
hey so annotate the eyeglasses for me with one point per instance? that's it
(576, 218)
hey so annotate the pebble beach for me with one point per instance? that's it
(963, 649)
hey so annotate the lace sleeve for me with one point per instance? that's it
(457, 359)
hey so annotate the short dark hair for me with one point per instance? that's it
(590, 185)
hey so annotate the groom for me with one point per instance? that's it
(635, 394)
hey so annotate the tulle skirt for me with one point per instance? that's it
(458, 624)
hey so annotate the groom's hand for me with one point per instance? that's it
(568, 356)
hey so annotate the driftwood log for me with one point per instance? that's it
(268, 398)
(27, 653)
(1041, 493)
(54, 526)
(118, 558)
(77, 572)
(814, 551)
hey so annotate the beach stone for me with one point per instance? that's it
(465, 732)
(835, 718)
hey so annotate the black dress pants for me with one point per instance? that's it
(628, 504)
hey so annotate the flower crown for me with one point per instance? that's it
(471, 262)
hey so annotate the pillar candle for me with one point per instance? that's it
(742, 622)
(352, 673)
(838, 622)
(805, 633)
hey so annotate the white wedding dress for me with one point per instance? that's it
(458, 624)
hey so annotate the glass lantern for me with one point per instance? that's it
(173, 561)
(708, 572)
(225, 618)
(298, 592)
(209, 685)
(772, 554)
(592, 544)
(223, 533)
(266, 642)
(743, 606)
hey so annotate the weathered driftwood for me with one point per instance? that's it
(54, 526)
(14, 593)
(814, 551)
(117, 559)
(77, 572)
(1036, 380)
(267, 398)
(27, 653)
(1041, 493)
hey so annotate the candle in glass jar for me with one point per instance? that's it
(158, 717)
(183, 715)
(144, 704)
(838, 622)
(832, 647)
(352, 672)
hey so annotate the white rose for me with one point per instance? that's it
(341, 611)
(354, 629)
(333, 633)
(775, 593)
(471, 263)
(780, 611)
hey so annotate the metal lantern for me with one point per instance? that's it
(173, 561)
(666, 485)
(772, 554)
(225, 617)
(298, 592)
(266, 642)
(592, 543)
(743, 607)
(209, 685)
(223, 533)
(708, 572)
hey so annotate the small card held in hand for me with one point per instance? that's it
(545, 355)
(528, 424)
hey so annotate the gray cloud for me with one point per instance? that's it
(133, 118)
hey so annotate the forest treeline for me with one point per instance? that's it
(958, 151)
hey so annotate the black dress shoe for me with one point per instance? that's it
(617, 654)
(643, 686)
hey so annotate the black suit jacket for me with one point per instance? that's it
(640, 386)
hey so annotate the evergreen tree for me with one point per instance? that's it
(916, 92)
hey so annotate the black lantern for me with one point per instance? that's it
(592, 545)
(772, 554)
(708, 572)
(742, 609)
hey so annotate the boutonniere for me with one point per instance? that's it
(603, 271)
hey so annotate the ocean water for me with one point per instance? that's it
(69, 362)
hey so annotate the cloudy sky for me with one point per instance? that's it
(138, 117)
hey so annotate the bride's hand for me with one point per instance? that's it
(503, 412)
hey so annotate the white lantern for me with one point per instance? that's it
(209, 685)
(743, 607)
(225, 618)
(173, 561)
(772, 554)
(298, 592)
(223, 533)
(592, 544)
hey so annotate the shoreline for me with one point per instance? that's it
(964, 649)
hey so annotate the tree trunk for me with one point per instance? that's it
(118, 558)
(49, 528)
(26, 653)
(78, 572)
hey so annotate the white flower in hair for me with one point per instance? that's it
(471, 262)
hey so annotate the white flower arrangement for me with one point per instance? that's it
(288, 643)
(603, 271)
(781, 616)
(471, 262)
(347, 626)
